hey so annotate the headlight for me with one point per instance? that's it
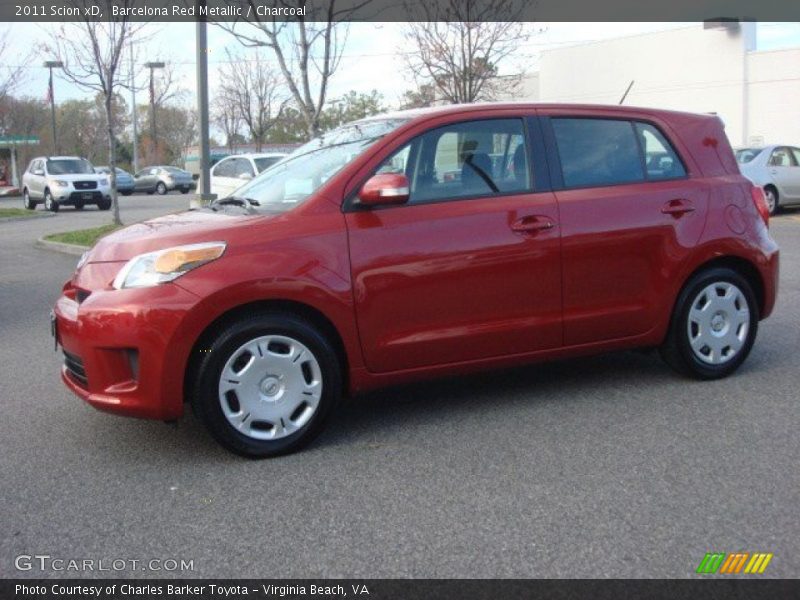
(60, 183)
(82, 260)
(162, 266)
(103, 182)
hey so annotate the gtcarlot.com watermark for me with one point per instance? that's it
(48, 563)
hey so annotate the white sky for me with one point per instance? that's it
(372, 59)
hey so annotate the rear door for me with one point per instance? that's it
(469, 268)
(629, 215)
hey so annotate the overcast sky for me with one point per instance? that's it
(372, 60)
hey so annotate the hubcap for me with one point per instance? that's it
(270, 387)
(719, 321)
(770, 200)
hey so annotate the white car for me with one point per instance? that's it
(777, 170)
(64, 180)
(233, 172)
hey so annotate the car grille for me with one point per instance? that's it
(74, 366)
(85, 185)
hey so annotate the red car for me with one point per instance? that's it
(360, 261)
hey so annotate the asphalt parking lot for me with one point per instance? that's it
(603, 467)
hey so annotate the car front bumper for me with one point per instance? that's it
(118, 344)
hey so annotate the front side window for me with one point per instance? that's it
(296, 177)
(463, 160)
(596, 152)
(69, 166)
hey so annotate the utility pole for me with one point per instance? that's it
(153, 145)
(135, 124)
(202, 110)
(53, 64)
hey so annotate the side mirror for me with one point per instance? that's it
(246, 176)
(384, 188)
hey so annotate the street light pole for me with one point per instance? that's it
(202, 109)
(50, 65)
(152, 66)
(135, 125)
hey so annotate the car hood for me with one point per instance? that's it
(190, 227)
(78, 177)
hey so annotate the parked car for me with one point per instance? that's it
(234, 171)
(352, 264)
(125, 185)
(57, 181)
(160, 180)
(777, 170)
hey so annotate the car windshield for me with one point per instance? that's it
(264, 162)
(745, 155)
(300, 174)
(69, 166)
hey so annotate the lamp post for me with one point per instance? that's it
(50, 65)
(153, 66)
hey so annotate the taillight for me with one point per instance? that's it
(760, 200)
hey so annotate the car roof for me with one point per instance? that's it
(449, 109)
(59, 158)
(256, 155)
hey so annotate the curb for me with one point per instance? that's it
(27, 218)
(61, 247)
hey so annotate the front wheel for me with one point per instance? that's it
(713, 326)
(104, 204)
(266, 385)
(49, 202)
(161, 188)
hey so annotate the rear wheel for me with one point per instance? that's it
(713, 326)
(26, 200)
(266, 385)
(50, 202)
(771, 196)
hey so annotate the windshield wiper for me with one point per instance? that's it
(241, 201)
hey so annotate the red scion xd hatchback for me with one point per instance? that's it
(425, 243)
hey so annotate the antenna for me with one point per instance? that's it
(625, 95)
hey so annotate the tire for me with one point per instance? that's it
(49, 203)
(126, 193)
(103, 204)
(278, 413)
(161, 189)
(27, 202)
(151, 192)
(711, 335)
(771, 195)
(184, 190)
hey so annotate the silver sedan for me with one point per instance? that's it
(777, 170)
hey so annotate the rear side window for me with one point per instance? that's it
(596, 152)
(660, 159)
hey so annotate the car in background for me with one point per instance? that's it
(125, 185)
(163, 179)
(776, 169)
(59, 181)
(232, 172)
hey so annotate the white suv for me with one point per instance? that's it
(64, 180)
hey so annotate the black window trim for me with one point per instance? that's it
(535, 153)
(554, 158)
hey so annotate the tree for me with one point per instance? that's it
(458, 46)
(177, 126)
(254, 91)
(308, 49)
(92, 52)
(227, 118)
(351, 107)
(12, 66)
(422, 97)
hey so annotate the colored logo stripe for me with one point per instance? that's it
(733, 563)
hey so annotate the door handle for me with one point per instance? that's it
(677, 207)
(532, 224)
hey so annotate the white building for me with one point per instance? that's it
(695, 68)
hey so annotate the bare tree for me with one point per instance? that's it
(227, 118)
(92, 54)
(255, 92)
(458, 45)
(308, 49)
(12, 66)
